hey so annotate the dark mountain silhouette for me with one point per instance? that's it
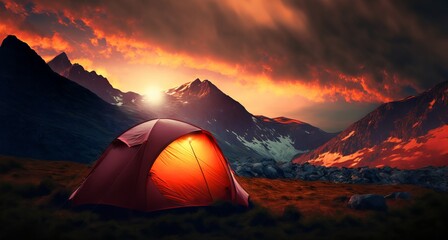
(410, 133)
(240, 134)
(92, 81)
(47, 116)
(60, 64)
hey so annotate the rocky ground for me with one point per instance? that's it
(34, 193)
(431, 177)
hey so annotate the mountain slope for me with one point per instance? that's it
(203, 104)
(48, 116)
(92, 81)
(240, 134)
(408, 134)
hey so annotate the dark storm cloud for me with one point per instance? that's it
(403, 37)
(388, 49)
(46, 24)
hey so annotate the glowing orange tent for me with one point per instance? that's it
(161, 164)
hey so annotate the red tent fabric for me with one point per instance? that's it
(161, 164)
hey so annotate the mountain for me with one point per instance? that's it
(240, 133)
(92, 81)
(47, 116)
(408, 134)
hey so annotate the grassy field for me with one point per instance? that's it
(33, 204)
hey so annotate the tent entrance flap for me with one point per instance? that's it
(189, 171)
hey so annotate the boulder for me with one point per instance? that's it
(367, 202)
(308, 168)
(270, 172)
(257, 168)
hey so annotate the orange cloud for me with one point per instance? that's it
(258, 75)
(54, 42)
(350, 88)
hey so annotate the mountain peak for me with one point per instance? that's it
(196, 88)
(404, 134)
(202, 84)
(16, 53)
(197, 81)
(62, 58)
(11, 42)
(60, 63)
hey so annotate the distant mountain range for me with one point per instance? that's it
(92, 81)
(46, 116)
(408, 134)
(61, 111)
(240, 134)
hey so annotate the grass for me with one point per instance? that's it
(33, 205)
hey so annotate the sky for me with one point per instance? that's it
(325, 62)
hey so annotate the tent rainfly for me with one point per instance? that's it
(161, 164)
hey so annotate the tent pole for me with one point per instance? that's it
(205, 180)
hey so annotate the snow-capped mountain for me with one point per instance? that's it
(240, 133)
(410, 133)
(47, 116)
(92, 81)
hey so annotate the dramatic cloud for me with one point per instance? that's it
(303, 51)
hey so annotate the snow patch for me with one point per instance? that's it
(348, 136)
(415, 124)
(281, 149)
(254, 119)
(328, 159)
(118, 100)
(307, 132)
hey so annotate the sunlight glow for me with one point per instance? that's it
(154, 96)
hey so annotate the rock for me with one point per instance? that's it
(235, 165)
(270, 172)
(286, 167)
(430, 177)
(288, 175)
(244, 171)
(308, 168)
(398, 195)
(367, 202)
(257, 168)
(384, 177)
(387, 169)
(314, 177)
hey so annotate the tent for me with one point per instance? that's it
(161, 164)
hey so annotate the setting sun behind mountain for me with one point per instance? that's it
(154, 96)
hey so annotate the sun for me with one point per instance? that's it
(154, 96)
